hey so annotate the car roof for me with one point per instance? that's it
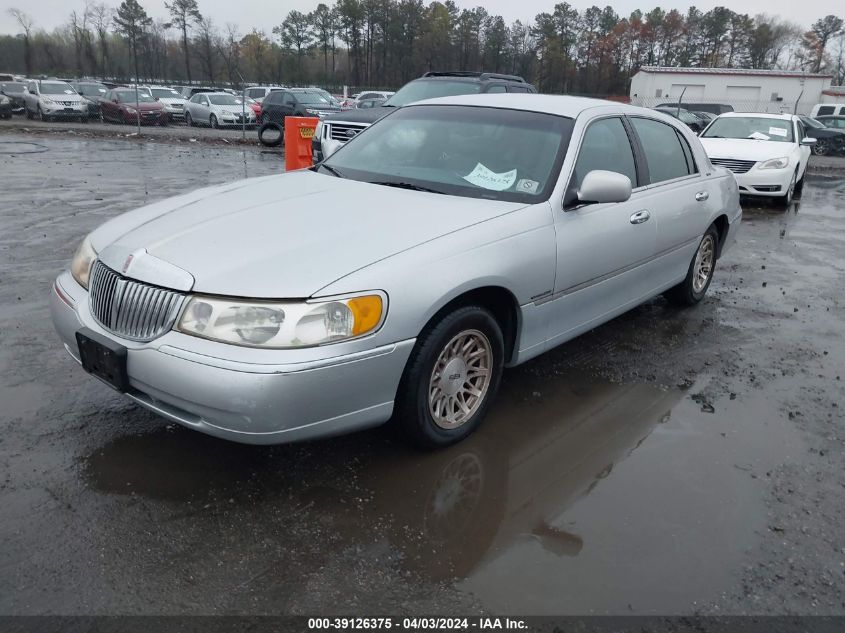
(550, 104)
(759, 115)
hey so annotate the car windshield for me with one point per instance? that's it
(811, 123)
(457, 150)
(223, 100)
(684, 115)
(165, 93)
(430, 88)
(12, 87)
(128, 96)
(48, 88)
(311, 98)
(92, 89)
(751, 127)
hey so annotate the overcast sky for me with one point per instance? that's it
(262, 14)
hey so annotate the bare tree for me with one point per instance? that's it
(101, 17)
(184, 13)
(206, 36)
(26, 23)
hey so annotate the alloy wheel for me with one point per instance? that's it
(703, 267)
(460, 379)
(821, 148)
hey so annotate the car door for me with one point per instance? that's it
(800, 135)
(678, 195)
(289, 105)
(603, 250)
(108, 106)
(203, 109)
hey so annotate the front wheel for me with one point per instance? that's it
(212, 121)
(451, 378)
(699, 274)
(786, 199)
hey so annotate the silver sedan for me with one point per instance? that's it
(398, 278)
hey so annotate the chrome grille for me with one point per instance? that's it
(736, 166)
(131, 309)
(344, 131)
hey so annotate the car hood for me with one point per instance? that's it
(361, 115)
(284, 236)
(235, 109)
(171, 100)
(745, 149)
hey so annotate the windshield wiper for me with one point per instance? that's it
(331, 170)
(406, 185)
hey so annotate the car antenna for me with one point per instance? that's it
(679, 101)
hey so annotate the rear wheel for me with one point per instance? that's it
(699, 274)
(189, 121)
(451, 378)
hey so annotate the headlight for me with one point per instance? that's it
(83, 259)
(46, 100)
(282, 324)
(131, 110)
(4, 99)
(775, 163)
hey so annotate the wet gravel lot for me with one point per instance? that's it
(670, 462)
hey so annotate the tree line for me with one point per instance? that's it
(385, 43)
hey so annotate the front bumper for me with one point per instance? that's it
(65, 111)
(765, 182)
(280, 396)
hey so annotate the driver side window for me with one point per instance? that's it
(605, 146)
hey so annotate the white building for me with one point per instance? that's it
(745, 89)
(834, 94)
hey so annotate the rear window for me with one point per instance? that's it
(826, 110)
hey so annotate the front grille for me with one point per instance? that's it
(67, 103)
(736, 166)
(131, 309)
(344, 131)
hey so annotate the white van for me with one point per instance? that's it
(828, 109)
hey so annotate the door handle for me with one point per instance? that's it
(701, 196)
(640, 216)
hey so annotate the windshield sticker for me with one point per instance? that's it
(777, 131)
(527, 186)
(759, 136)
(486, 179)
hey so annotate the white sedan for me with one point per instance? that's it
(767, 153)
(216, 109)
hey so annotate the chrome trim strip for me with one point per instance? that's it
(280, 368)
(613, 273)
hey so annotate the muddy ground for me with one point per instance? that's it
(669, 462)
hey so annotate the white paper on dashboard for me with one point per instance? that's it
(483, 177)
(758, 136)
(777, 131)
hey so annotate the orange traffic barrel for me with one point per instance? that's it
(299, 130)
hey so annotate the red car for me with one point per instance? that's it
(119, 105)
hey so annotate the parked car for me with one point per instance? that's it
(92, 92)
(714, 108)
(53, 99)
(124, 105)
(695, 122)
(828, 140)
(281, 104)
(14, 90)
(172, 101)
(190, 91)
(827, 109)
(259, 92)
(254, 106)
(332, 311)
(217, 109)
(833, 122)
(5, 107)
(338, 128)
(768, 153)
(370, 103)
(704, 116)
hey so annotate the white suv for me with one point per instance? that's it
(173, 102)
(259, 92)
(52, 99)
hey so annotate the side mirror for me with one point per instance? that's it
(600, 186)
(809, 142)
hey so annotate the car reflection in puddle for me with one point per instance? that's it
(537, 486)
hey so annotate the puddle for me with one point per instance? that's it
(590, 497)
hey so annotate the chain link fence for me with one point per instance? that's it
(804, 106)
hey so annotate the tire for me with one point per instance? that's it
(29, 114)
(273, 141)
(44, 118)
(786, 199)
(212, 121)
(189, 121)
(453, 414)
(691, 290)
(821, 148)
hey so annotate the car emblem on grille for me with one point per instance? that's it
(351, 133)
(127, 262)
